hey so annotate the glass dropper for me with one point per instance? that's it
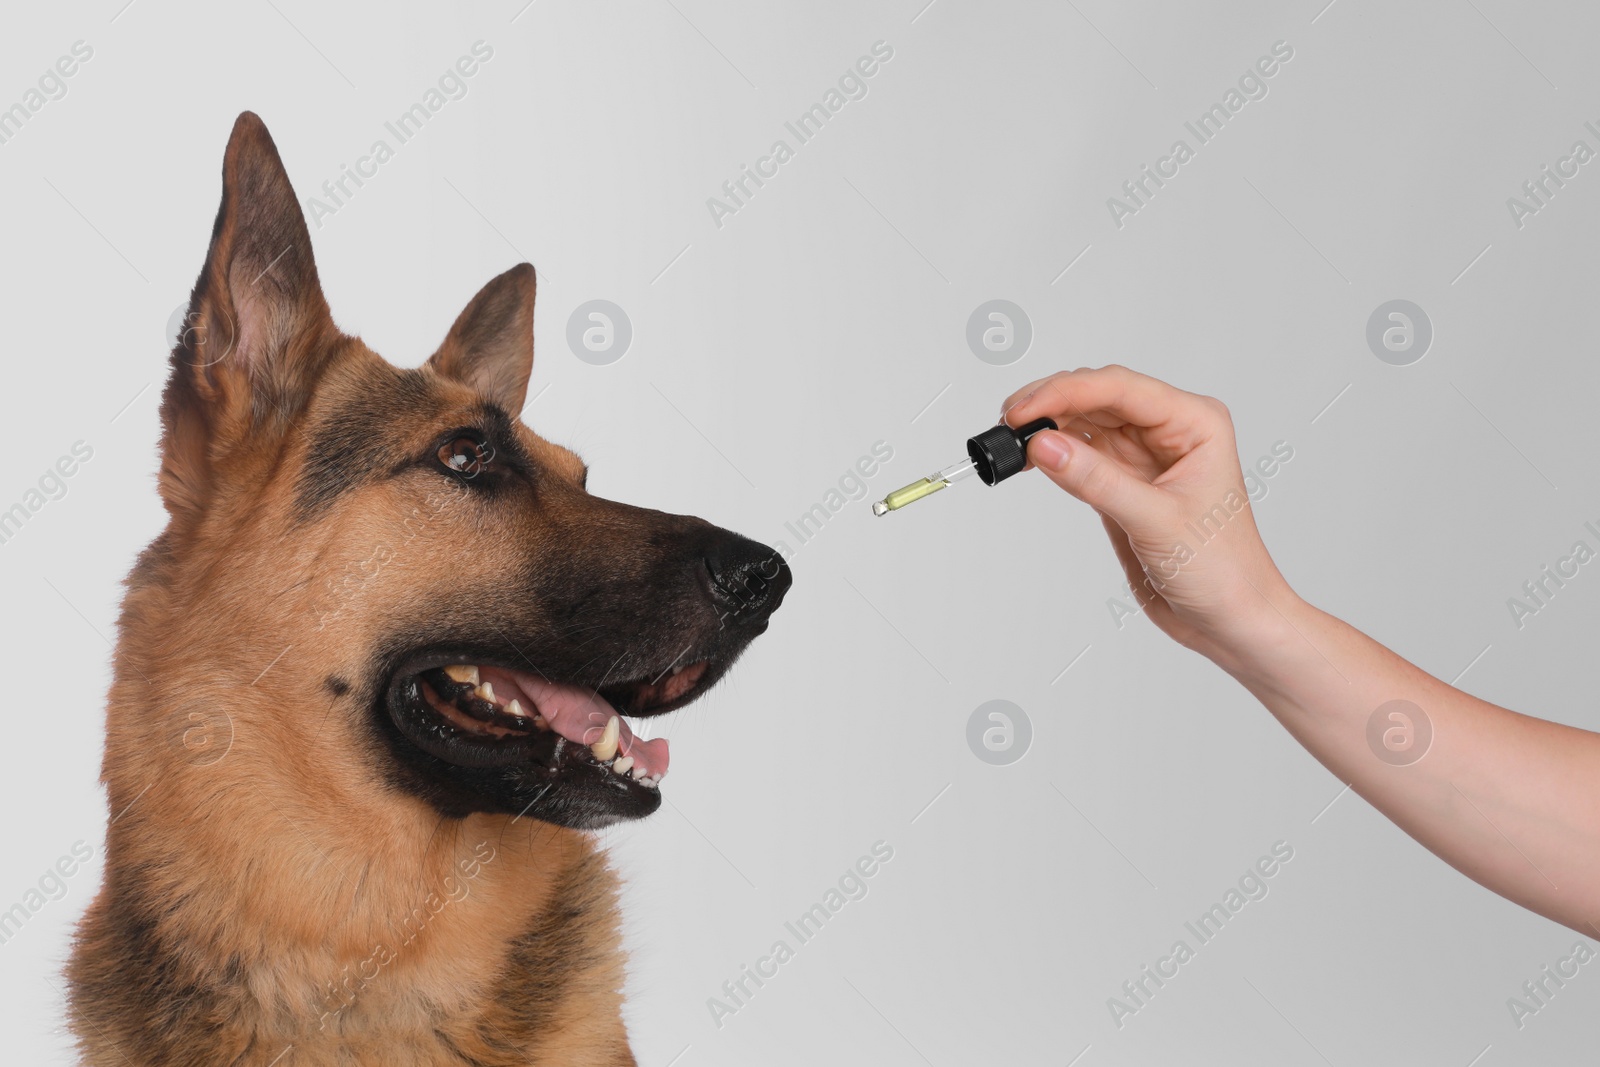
(924, 487)
(993, 455)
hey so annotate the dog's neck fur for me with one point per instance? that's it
(250, 908)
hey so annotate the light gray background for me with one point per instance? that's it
(830, 313)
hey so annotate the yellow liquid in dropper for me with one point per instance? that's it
(915, 491)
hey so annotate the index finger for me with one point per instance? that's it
(1116, 396)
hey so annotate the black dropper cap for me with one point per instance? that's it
(999, 452)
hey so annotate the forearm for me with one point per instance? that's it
(1511, 801)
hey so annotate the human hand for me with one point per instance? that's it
(1511, 801)
(1161, 467)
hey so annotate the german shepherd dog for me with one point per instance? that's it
(368, 691)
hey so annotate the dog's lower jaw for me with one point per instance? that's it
(143, 995)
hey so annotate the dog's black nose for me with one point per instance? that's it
(748, 579)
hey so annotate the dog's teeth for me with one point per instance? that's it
(515, 708)
(623, 765)
(606, 747)
(485, 692)
(464, 673)
(638, 774)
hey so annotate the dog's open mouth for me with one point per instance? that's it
(548, 735)
(493, 704)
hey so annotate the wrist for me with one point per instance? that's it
(1262, 638)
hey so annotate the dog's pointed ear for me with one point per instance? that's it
(258, 309)
(490, 347)
(258, 333)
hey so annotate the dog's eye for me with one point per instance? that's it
(467, 456)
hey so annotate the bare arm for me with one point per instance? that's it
(1511, 801)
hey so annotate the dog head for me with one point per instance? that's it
(382, 573)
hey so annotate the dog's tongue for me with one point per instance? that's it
(578, 714)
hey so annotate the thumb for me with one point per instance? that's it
(1096, 479)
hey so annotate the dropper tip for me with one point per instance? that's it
(880, 507)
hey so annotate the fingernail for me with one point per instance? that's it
(1050, 449)
(1005, 416)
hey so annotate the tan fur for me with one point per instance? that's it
(257, 858)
